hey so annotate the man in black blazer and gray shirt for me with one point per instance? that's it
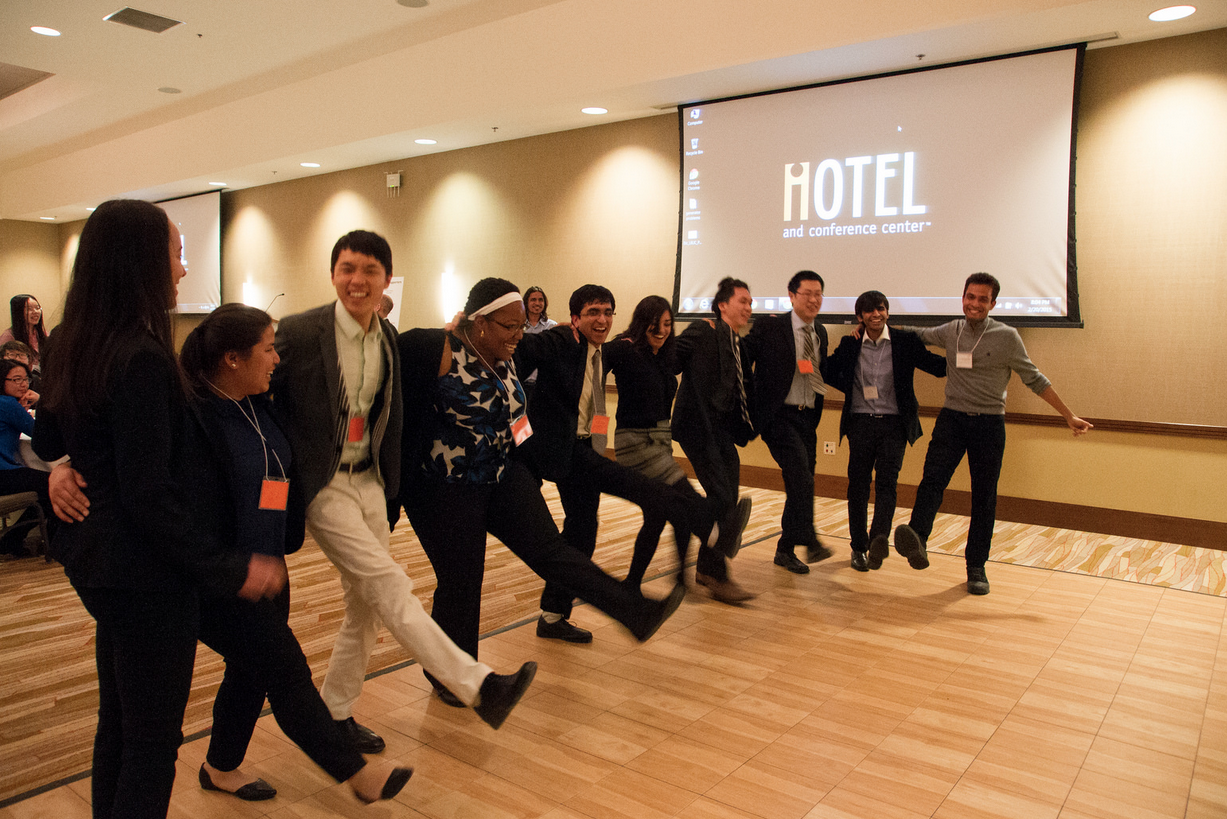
(788, 352)
(880, 417)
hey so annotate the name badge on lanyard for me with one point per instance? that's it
(871, 392)
(274, 494)
(805, 366)
(600, 425)
(521, 430)
(357, 426)
(962, 361)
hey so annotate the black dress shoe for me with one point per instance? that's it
(563, 630)
(816, 551)
(448, 698)
(500, 692)
(977, 580)
(912, 546)
(791, 562)
(256, 791)
(860, 561)
(363, 739)
(879, 550)
(392, 785)
(657, 612)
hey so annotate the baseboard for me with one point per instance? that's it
(1207, 534)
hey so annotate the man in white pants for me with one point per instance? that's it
(337, 397)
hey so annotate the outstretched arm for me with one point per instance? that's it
(1078, 425)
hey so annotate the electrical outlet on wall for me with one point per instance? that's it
(828, 447)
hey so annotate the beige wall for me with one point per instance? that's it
(30, 263)
(600, 204)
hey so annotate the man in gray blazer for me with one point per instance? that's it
(337, 396)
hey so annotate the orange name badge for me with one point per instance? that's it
(805, 366)
(274, 493)
(600, 425)
(357, 426)
(521, 430)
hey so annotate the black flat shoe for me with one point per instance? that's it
(257, 791)
(789, 561)
(364, 740)
(394, 785)
(500, 692)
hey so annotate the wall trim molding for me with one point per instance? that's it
(1207, 534)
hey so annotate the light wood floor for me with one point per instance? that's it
(837, 694)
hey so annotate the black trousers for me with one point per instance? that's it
(875, 443)
(25, 479)
(263, 657)
(145, 651)
(451, 521)
(982, 439)
(592, 474)
(792, 439)
(717, 465)
(648, 538)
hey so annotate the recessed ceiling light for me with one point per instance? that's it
(595, 110)
(309, 164)
(426, 141)
(47, 218)
(1171, 13)
(91, 210)
(218, 184)
(166, 89)
(414, 4)
(43, 30)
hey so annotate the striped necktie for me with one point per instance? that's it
(741, 379)
(814, 377)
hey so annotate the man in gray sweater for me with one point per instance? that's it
(980, 355)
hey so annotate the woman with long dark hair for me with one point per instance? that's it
(27, 326)
(642, 361)
(465, 404)
(229, 359)
(116, 404)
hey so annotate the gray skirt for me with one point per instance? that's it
(649, 451)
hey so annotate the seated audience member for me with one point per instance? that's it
(20, 351)
(27, 327)
(15, 476)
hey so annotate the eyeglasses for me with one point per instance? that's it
(508, 326)
(808, 294)
(21, 381)
(596, 312)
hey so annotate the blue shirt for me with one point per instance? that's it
(14, 420)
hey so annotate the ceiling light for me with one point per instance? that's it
(414, 4)
(309, 164)
(594, 110)
(1171, 13)
(46, 32)
(91, 210)
(218, 184)
(47, 218)
(166, 89)
(426, 141)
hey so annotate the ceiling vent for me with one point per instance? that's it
(14, 78)
(142, 20)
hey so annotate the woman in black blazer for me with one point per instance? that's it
(116, 405)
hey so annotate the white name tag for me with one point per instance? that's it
(962, 361)
(871, 393)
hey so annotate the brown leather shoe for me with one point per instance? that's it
(724, 591)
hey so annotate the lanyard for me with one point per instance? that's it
(254, 420)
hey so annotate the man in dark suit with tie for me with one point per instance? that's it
(337, 396)
(567, 446)
(788, 353)
(711, 418)
(880, 418)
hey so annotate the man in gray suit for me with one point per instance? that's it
(337, 396)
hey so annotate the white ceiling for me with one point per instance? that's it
(267, 84)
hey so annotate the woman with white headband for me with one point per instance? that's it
(464, 413)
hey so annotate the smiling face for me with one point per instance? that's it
(807, 300)
(977, 301)
(736, 311)
(497, 334)
(359, 280)
(874, 320)
(34, 312)
(659, 332)
(536, 305)
(594, 321)
(17, 382)
(250, 374)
